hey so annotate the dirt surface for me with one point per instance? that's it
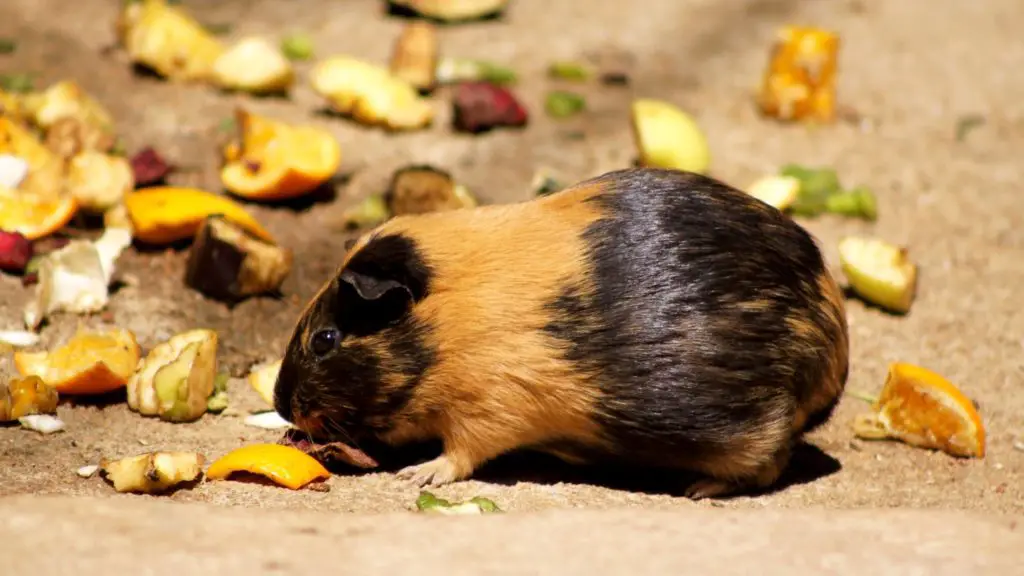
(911, 69)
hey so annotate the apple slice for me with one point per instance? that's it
(879, 272)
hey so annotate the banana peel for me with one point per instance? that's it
(168, 41)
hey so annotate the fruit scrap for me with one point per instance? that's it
(13, 170)
(153, 473)
(454, 70)
(419, 189)
(70, 136)
(72, 120)
(167, 40)
(372, 211)
(218, 400)
(329, 451)
(777, 191)
(821, 192)
(452, 10)
(669, 138)
(414, 58)
(923, 409)
(18, 338)
(15, 251)
(89, 363)
(544, 183)
(44, 182)
(228, 264)
(149, 168)
(799, 83)
(17, 83)
(76, 278)
(87, 471)
(267, 419)
(176, 379)
(562, 104)
(271, 160)
(427, 502)
(99, 181)
(34, 216)
(285, 465)
(26, 396)
(164, 214)
(263, 378)
(42, 423)
(253, 65)
(297, 47)
(879, 272)
(571, 71)
(370, 94)
(482, 106)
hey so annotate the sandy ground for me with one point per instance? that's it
(910, 69)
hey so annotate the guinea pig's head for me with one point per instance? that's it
(358, 350)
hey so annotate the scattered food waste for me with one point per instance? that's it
(25, 397)
(254, 65)
(287, 466)
(799, 83)
(879, 272)
(453, 10)
(422, 188)
(297, 47)
(34, 216)
(451, 70)
(370, 212)
(99, 181)
(370, 94)
(268, 420)
(42, 423)
(431, 504)
(562, 104)
(218, 401)
(13, 170)
(967, 124)
(89, 363)
(87, 471)
(263, 378)
(544, 183)
(570, 71)
(19, 338)
(167, 40)
(667, 137)
(163, 215)
(776, 191)
(228, 264)
(176, 379)
(820, 191)
(153, 473)
(923, 409)
(482, 106)
(149, 168)
(328, 451)
(15, 251)
(416, 56)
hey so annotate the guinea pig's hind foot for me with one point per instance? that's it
(437, 472)
(764, 477)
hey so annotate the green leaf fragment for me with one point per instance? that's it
(561, 104)
(572, 71)
(464, 70)
(859, 202)
(17, 83)
(370, 212)
(297, 47)
(7, 46)
(427, 502)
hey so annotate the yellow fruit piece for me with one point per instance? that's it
(923, 409)
(799, 83)
(45, 179)
(168, 40)
(11, 105)
(287, 466)
(26, 396)
(166, 214)
(253, 65)
(90, 362)
(777, 191)
(33, 217)
(63, 100)
(667, 137)
(879, 272)
(370, 94)
(98, 181)
(153, 473)
(176, 378)
(272, 160)
(263, 379)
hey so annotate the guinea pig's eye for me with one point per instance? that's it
(324, 341)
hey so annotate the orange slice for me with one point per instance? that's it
(277, 161)
(32, 216)
(923, 409)
(287, 466)
(167, 214)
(90, 362)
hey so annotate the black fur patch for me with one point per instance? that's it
(394, 257)
(685, 368)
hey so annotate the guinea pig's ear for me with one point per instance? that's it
(370, 288)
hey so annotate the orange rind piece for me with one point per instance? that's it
(166, 214)
(800, 80)
(34, 217)
(271, 160)
(923, 409)
(90, 363)
(286, 466)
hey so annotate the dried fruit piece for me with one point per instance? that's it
(370, 94)
(89, 363)
(162, 215)
(778, 191)
(427, 502)
(26, 396)
(153, 473)
(415, 56)
(372, 211)
(481, 106)
(99, 181)
(177, 378)
(330, 451)
(167, 40)
(253, 65)
(453, 10)
(287, 466)
(149, 168)
(923, 409)
(561, 104)
(879, 272)
(799, 83)
(454, 70)
(76, 278)
(667, 137)
(263, 378)
(297, 47)
(228, 264)
(15, 251)
(419, 189)
(271, 160)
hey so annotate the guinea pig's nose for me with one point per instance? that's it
(283, 400)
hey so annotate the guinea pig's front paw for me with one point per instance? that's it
(437, 472)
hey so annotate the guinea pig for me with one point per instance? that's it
(644, 317)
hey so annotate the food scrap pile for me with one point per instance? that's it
(61, 164)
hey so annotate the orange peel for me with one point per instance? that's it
(167, 214)
(271, 160)
(286, 466)
(923, 409)
(32, 216)
(89, 363)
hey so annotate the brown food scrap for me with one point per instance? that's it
(15, 251)
(226, 263)
(415, 56)
(420, 189)
(69, 135)
(799, 83)
(336, 451)
(149, 168)
(482, 106)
